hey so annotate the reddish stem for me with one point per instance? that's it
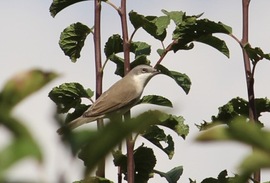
(249, 74)
(99, 73)
(126, 47)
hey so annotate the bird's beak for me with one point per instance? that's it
(155, 72)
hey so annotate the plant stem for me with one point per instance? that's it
(126, 43)
(119, 167)
(130, 160)
(99, 73)
(169, 48)
(126, 47)
(249, 74)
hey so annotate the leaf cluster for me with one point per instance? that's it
(247, 133)
(239, 128)
(187, 30)
(23, 144)
(234, 108)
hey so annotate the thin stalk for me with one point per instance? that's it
(249, 74)
(169, 48)
(126, 42)
(126, 47)
(130, 158)
(99, 73)
(119, 167)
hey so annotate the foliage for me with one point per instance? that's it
(187, 30)
(234, 108)
(23, 144)
(144, 159)
(233, 122)
(72, 39)
(247, 133)
(173, 175)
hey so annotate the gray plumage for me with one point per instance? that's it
(119, 98)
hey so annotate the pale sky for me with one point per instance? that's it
(29, 39)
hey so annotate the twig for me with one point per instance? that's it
(169, 48)
(126, 47)
(249, 74)
(99, 73)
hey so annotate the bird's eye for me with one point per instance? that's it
(144, 70)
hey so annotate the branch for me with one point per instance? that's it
(249, 74)
(126, 43)
(99, 73)
(169, 48)
(126, 48)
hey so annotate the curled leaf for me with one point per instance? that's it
(72, 40)
(181, 79)
(68, 95)
(22, 85)
(256, 54)
(157, 136)
(234, 108)
(173, 175)
(59, 5)
(157, 100)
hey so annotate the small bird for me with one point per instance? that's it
(119, 98)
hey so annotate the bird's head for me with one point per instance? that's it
(143, 73)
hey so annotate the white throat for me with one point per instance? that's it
(141, 80)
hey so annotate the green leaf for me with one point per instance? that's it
(120, 160)
(256, 54)
(77, 139)
(140, 49)
(210, 180)
(156, 135)
(120, 63)
(22, 85)
(144, 160)
(160, 52)
(23, 145)
(79, 110)
(191, 29)
(155, 26)
(181, 79)
(94, 180)
(157, 100)
(72, 40)
(136, 19)
(215, 42)
(254, 162)
(234, 108)
(102, 142)
(68, 95)
(58, 5)
(242, 131)
(176, 16)
(262, 105)
(175, 123)
(114, 45)
(173, 175)
(162, 23)
(222, 178)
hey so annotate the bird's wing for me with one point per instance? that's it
(110, 101)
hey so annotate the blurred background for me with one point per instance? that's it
(29, 39)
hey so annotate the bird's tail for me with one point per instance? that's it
(74, 124)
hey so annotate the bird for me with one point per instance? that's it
(118, 99)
